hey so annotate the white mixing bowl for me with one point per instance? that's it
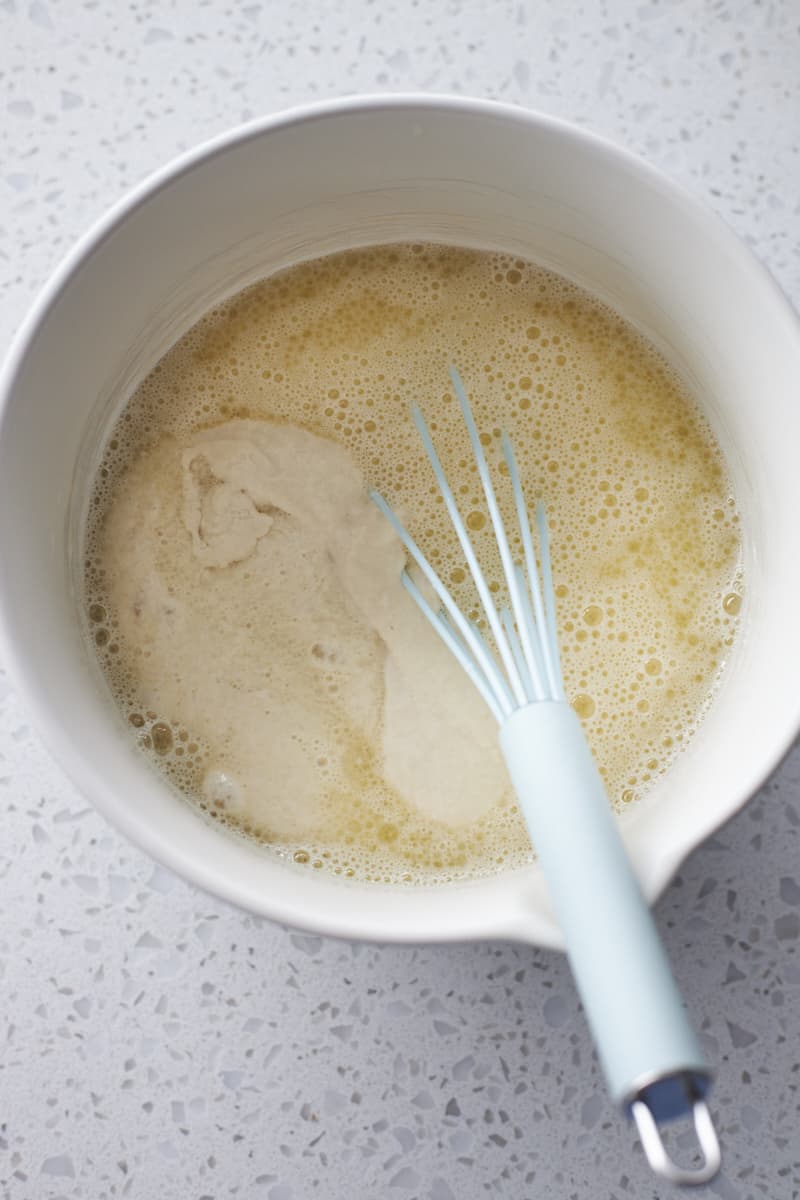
(356, 172)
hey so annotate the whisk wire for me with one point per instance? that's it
(549, 599)
(539, 673)
(454, 643)
(478, 576)
(499, 531)
(518, 652)
(480, 651)
(544, 616)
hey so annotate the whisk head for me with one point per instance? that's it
(525, 667)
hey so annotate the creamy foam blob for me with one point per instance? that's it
(244, 595)
(277, 632)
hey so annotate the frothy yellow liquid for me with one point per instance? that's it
(645, 537)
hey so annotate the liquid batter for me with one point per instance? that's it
(244, 595)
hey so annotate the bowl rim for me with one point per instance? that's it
(654, 868)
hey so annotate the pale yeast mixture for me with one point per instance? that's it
(244, 594)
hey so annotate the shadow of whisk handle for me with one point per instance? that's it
(645, 1043)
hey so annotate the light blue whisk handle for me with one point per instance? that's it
(645, 1043)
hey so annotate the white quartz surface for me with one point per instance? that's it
(157, 1044)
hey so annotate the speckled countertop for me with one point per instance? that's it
(157, 1044)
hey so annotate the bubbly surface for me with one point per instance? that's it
(325, 358)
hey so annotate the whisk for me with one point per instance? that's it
(653, 1065)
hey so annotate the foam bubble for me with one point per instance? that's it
(222, 791)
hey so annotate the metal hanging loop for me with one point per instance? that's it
(657, 1156)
